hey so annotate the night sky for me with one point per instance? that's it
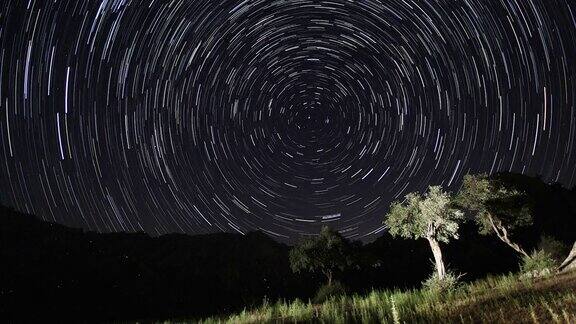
(201, 116)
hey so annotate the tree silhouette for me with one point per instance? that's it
(328, 252)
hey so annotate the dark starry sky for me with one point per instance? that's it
(201, 116)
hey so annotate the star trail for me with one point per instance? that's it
(199, 116)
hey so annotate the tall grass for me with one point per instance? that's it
(491, 300)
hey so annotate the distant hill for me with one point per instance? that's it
(49, 271)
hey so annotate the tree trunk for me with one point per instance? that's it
(570, 262)
(328, 274)
(502, 234)
(440, 269)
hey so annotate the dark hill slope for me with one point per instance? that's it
(49, 271)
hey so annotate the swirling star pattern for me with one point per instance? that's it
(203, 116)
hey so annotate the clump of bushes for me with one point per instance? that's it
(450, 283)
(555, 249)
(537, 264)
(326, 292)
(544, 260)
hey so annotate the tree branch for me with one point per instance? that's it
(502, 234)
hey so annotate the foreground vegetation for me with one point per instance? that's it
(503, 299)
(540, 294)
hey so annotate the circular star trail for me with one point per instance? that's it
(203, 116)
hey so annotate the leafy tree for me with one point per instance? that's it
(327, 252)
(430, 216)
(498, 208)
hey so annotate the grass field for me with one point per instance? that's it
(503, 299)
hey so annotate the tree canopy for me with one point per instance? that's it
(423, 216)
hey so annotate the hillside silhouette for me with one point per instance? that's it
(50, 271)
